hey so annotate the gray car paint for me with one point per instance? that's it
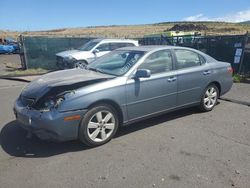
(41, 85)
(134, 99)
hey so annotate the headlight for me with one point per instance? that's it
(50, 103)
(53, 101)
(69, 58)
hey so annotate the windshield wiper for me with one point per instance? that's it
(96, 70)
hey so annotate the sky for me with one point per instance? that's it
(33, 15)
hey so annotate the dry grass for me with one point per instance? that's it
(133, 31)
(37, 71)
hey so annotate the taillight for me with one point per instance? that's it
(230, 70)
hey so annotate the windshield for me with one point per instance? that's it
(88, 46)
(117, 62)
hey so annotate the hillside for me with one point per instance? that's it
(246, 22)
(133, 31)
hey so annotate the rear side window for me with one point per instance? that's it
(158, 62)
(187, 58)
(128, 44)
(117, 45)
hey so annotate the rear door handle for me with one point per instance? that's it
(206, 72)
(172, 79)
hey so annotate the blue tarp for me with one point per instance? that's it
(9, 48)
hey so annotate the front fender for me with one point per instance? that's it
(113, 90)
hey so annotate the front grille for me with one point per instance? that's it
(27, 101)
(59, 59)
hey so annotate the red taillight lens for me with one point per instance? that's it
(230, 70)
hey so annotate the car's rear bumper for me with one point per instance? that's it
(226, 86)
(49, 125)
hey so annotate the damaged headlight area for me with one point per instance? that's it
(51, 103)
(48, 103)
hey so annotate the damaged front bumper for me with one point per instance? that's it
(63, 63)
(50, 125)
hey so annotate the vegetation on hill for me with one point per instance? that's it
(134, 31)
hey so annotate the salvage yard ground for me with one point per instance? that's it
(9, 63)
(180, 149)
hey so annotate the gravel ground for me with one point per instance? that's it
(12, 60)
(239, 92)
(181, 149)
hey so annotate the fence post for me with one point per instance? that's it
(21, 53)
(243, 53)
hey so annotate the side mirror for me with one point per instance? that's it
(142, 73)
(96, 51)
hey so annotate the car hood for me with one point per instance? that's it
(64, 80)
(68, 53)
(77, 54)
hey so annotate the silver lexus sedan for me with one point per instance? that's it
(125, 86)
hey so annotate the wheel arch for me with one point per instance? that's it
(83, 60)
(217, 84)
(111, 103)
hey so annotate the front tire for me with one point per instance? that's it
(99, 125)
(209, 98)
(80, 64)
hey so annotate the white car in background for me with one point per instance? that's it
(90, 51)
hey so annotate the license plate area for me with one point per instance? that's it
(23, 118)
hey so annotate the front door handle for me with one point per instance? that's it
(206, 72)
(172, 79)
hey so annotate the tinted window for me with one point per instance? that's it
(187, 58)
(104, 47)
(158, 62)
(88, 46)
(128, 44)
(114, 46)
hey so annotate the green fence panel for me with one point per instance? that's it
(222, 48)
(40, 51)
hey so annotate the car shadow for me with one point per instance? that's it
(14, 140)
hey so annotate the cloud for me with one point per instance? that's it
(197, 17)
(240, 16)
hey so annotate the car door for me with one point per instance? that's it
(147, 96)
(102, 49)
(194, 75)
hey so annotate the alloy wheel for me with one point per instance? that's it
(80, 65)
(100, 126)
(210, 97)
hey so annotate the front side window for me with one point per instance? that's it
(89, 45)
(104, 47)
(187, 58)
(158, 62)
(117, 62)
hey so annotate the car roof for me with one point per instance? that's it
(114, 40)
(149, 48)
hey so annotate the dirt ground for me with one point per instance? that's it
(9, 63)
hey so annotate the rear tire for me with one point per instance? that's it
(99, 125)
(209, 98)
